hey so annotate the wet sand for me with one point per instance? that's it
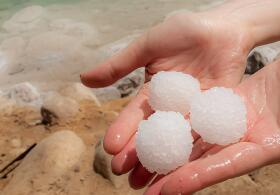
(90, 124)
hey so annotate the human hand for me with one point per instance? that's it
(206, 46)
(201, 44)
(259, 147)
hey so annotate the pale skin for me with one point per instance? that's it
(213, 47)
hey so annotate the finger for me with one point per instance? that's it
(127, 122)
(199, 148)
(156, 186)
(215, 149)
(140, 177)
(127, 159)
(195, 135)
(232, 161)
(156, 179)
(119, 65)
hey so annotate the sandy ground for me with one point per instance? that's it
(90, 124)
(30, 51)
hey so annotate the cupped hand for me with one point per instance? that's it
(211, 49)
(259, 147)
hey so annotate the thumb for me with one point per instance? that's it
(119, 65)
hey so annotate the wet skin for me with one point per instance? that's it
(215, 52)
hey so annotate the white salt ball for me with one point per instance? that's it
(218, 115)
(172, 91)
(164, 142)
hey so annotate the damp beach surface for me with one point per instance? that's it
(41, 37)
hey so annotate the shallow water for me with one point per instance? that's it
(50, 40)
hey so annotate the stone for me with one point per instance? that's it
(79, 92)
(47, 165)
(24, 20)
(63, 107)
(51, 48)
(24, 94)
(3, 62)
(11, 51)
(107, 93)
(80, 30)
(130, 84)
(261, 56)
(55, 56)
(102, 166)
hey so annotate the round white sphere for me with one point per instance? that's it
(164, 142)
(172, 91)
(218, 115)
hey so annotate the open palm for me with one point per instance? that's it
(261, 145)
(213, 51)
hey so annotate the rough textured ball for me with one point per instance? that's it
(164, 142)
(218, 115)
(172, 91)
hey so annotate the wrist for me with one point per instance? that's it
(257, 17)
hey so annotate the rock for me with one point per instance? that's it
(11, 51)
(62, 107)
(51, 49)
(46, 167)
(55, 56)
(107, 93)
(14, 43)
(131, 83)
(24, 20)
(254, 63)
(261, 56)
(102, 166)
(24, 94)
(3, 62)
(79, 92)
(80, 30)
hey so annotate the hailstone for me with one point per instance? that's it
(172, 91)
(164, 142)
(218, 115)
